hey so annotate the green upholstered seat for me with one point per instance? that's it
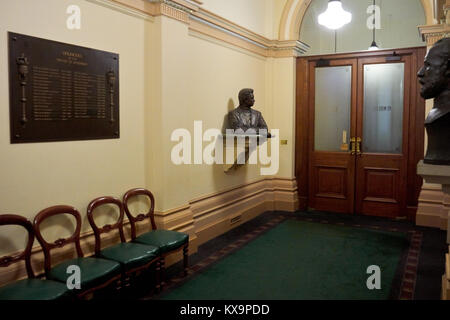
(130, 255)
(165, 240)
(94, 271)
(34, 289)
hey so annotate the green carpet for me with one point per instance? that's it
(301, 260)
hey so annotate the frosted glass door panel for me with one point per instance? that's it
(332, 108)
(383, 108)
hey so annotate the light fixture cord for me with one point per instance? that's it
(335, 41)
(374, 21)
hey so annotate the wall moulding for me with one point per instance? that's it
(144, 7)
(214, 214)
(433, 33)
(207, 23)
(172, 12)
(214, 26)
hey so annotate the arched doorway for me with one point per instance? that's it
(295, 10)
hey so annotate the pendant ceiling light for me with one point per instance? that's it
(335, 16)
(374, 45)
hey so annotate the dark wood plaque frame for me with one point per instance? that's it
(61, 92)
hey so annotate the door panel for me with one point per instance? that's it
(383, 108)
(378, 190)
(332, 183)
(382, 122)
(380, 184)
(332, 118)
(332, 111)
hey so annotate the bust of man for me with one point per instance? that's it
(435, 80)
(244, 117)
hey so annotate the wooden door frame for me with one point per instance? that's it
(416, 130)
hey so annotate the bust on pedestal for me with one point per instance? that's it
(435, 168)
(435, 80)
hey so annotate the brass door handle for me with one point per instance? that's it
(353, 145)
(358, 146)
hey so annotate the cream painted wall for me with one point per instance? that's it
(399, 21)
(36, 175)
(260, 16)
(250, 14)
(282, 94)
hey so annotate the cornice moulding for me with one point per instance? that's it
(217, 27)
(212, 25)
(432, 33)
(136, 8)
(183, 5)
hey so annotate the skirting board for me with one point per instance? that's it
(203, 219)
(446, 279)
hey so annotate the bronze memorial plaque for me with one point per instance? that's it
(61, 92)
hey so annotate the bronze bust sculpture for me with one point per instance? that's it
(435, 80)
(244, 117)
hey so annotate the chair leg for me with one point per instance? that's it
(127, 281)
(185, 259)
(119, 284)
(158, 276)
(163, 272)
(88, 296)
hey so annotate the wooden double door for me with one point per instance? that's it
(361, 134)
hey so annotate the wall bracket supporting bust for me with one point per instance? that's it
(242, 147)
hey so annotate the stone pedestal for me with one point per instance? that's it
(433, 207)
(446, 279)
(437, 174)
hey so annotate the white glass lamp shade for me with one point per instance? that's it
(335, 16)
(373, 46)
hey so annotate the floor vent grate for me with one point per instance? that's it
(235, 219)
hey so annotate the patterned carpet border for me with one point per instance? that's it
(409, 280)
(409, 266)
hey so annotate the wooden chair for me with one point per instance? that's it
(133, 257)
(95, 273)
(30, 288)
(166, 240)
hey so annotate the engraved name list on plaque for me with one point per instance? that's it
(61, 92)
